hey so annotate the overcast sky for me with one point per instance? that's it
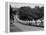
(17, 5)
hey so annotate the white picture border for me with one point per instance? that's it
(2, 24)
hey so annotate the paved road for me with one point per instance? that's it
(17, 27)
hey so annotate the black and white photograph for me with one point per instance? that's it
(26, 17)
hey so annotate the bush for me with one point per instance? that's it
(35, 13)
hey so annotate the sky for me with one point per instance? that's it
(18, 5)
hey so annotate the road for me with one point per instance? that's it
(17, 27)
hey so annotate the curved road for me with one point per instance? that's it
(17, 27)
